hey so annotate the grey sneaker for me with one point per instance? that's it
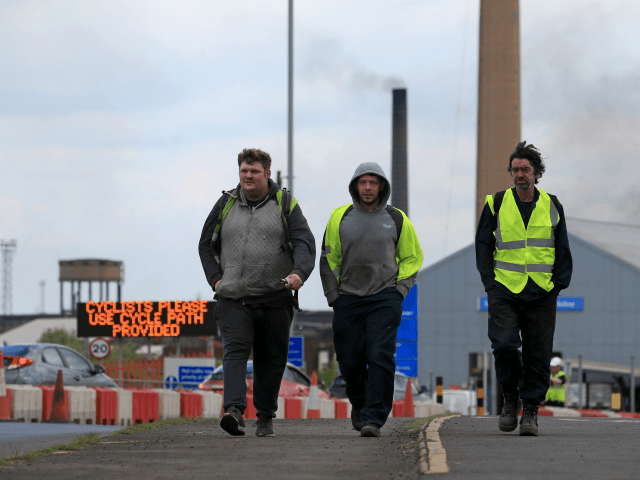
(370, 430)
(265, 426)
(508, 420)
(355, 419)
(529, 421)
(232, 421)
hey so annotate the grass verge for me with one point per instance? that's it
(90, 439)
(93, 439)
(143, 427)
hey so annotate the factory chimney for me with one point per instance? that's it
(400, 189)
(498, 96)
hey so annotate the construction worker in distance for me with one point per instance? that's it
(524, 260)
(370, 260)
(256, 248)
(555, 394)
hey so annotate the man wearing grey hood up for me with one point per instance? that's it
(369, 262)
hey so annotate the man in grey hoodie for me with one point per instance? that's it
(255, 248)
(369, 262)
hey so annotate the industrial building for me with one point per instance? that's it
(600, 322)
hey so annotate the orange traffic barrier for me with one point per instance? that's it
(5, 394)
(59, 407)
(292, 407)
(398, 407)
(545, 412)
(190, 404)
(146, 405)
(106, 406)
(250, 411)
(408, 409)
(341, 409)
(592, 413)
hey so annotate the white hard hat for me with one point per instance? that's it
(556, 361)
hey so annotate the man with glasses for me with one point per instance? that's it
(369, 262)
(524, 260)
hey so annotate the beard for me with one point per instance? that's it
(364, 202)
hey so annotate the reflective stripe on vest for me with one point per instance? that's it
(523, 253)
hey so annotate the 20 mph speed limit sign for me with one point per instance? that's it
(100, 348)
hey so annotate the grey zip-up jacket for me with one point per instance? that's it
(364, 252)
(253, 253)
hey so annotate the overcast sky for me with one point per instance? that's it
(120, 121)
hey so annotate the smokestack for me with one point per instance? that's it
(400, 190)
(498, 96)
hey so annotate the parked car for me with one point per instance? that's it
(38, 364)
(338, 388)
(295, 383)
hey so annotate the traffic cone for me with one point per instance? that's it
(313, 410)
(59, 408)
(408, 410)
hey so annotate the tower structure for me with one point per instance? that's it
(498, 96)
(400, 189)
(8, 249)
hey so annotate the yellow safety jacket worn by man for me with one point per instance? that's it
(556, 391)
(524, 252)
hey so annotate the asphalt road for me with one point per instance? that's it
(309, 449)
(568, 448)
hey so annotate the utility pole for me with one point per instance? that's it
(42, 284)
(290, 105)
(8, 249)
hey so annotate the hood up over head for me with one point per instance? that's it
(369, 168)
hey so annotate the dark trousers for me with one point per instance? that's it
(266, 329)
(364, 334)
(514, 323)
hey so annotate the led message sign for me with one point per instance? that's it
(146, 319)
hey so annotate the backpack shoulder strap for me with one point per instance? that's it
(497, 202)
(222, 213)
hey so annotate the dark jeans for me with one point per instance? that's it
(511, 318)
(364, 334)
(266, 329)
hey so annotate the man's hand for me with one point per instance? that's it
(555, 381)
(295, 283)
(215, 287)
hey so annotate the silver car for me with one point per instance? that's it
(39, 363)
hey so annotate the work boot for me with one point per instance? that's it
(232, 421)
(529, 421)
(508, 420)
(355, 419)
(370, 430)
(265, 426)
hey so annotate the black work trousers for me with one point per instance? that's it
(364, 334)
(266, 330)
(530, 325)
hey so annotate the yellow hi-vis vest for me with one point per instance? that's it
(524, 252)
(556, 392)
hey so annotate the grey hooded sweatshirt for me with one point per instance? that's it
(369, 241)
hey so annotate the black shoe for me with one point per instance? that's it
(232, 421)
(529, 421)
(355, 419)
(265, 426)
(370, 430)
(508, 420)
